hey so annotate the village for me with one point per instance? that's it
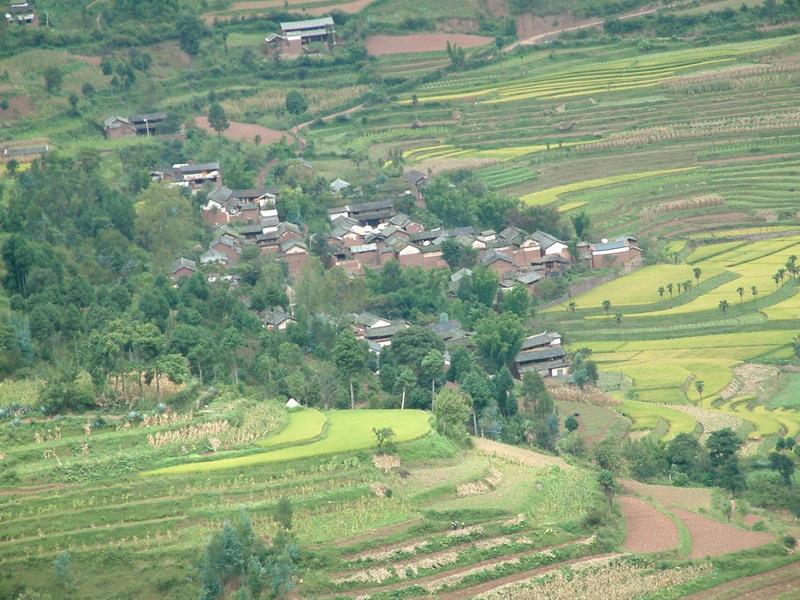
(369, 235)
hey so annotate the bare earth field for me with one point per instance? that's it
(378, 45)
(712, 538)
(649, 530)
(671, 497)
(245, 132)
(17, 107)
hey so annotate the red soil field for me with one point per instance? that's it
(245, 132)
(378, 45)
(712, 538)
(670, 496)
(649, 530)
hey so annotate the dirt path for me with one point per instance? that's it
(266, 5)
(763, 586)
(712, 538)
(261, 178)
(540, 37)
(332, 116)
(472, 591)
(649, 530)
(521, 455)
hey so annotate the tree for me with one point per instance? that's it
(722, 446)
(783, 465)
(580, 223)
(661, 292)
(504, 392)
(571, 423)
(73, 104)
(452, 410)
(753, 291)
(217, 118)
(412, 344)
(517, 301)
(608, 484)
(606, 454)
(572, 306)
(479, 389)
(296, 104)
(62, 569)
(697, 272)
(350, 356)
(165, 223)
(405, 380)
(607, 306)
(536, 395)
(618, 318)
(430, 368)
(283, 514)
(669, 289)
(457, 55)
(53, 78)
(384, 436)
(699, 385)
(190, 31)
(499, 338)
(724, 305)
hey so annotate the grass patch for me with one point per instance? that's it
(348, 431)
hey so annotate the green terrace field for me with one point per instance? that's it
(668, 339)
(353, 517)
(672, 142)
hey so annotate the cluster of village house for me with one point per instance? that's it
(370, 234)
(21, 13)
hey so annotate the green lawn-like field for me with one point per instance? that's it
(303, 426)
(348, 431)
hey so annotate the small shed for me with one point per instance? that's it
(292, 404)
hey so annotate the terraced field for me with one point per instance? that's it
(655, 347)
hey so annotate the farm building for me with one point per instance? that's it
(294, 35)
(183, 267)
(118, 127)
(148, 124)
(368, 213)
(22, 13)
(620, 252)
(544, 354)
(276, 318)
(191, 175)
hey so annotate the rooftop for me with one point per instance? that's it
(322, 23)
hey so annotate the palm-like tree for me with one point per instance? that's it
(700, 385)
(687, 285)
(572, 306)
(724, 305)
(781, 274)
(753, 291)
(669, 289)
(740, 291)
(607, 306)
(697, 272)
(661, 292)
(791, 265)
(618, 318)
(777, 279)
